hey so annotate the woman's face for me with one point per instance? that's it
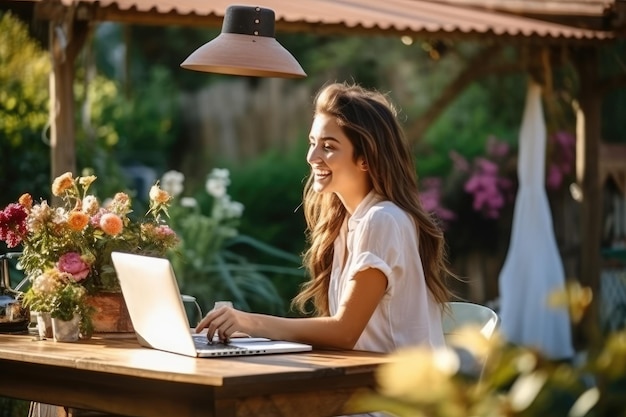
(331, 158)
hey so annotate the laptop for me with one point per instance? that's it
(158, 315)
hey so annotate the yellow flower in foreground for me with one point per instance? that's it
(574, 297)
(469, 337)
(612, 359)
(62, 183)
(420, 375)
(158, 195)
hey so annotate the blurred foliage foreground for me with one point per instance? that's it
(474, 376)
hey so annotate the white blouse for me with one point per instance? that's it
(383, 236)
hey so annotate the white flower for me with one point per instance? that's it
(38, 216)
(189, 202)
(90, 205)
(233, 209)
(221, 173)
(172, 182)
(45, 284)
(59, 215)
(216, 187)
(227, 209)
(217, 182)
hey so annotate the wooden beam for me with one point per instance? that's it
(478, 67)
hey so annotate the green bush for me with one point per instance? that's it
(24, 147)
(214, 260)
(270, 188)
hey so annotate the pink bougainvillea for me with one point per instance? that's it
(472, 198)
(488, 187)
(431, 198)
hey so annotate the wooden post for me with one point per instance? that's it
(67, 37)
(588, 138)
(588, 146)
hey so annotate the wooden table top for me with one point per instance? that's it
(231, 386)
(125, 356)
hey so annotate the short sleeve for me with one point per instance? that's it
(377, 243)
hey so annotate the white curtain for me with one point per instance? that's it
(533, 268)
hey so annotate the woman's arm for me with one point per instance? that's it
(341, 331)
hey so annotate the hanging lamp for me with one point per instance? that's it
(246, 46)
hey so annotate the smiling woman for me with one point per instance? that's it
(369, 268)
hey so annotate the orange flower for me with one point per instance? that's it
(77, 220)
(26, 201)
(62, 183)
(158, 195)
(111, 224)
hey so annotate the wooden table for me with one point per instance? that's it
(116, 375)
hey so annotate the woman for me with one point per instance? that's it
(376, 258)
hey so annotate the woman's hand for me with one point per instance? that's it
(225, 321)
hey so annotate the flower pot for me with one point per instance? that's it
(66, 331)
(110, 313)
(44, 324)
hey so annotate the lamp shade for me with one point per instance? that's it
(246, 46)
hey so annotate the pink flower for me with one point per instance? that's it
(73, 264)
(95, 219)
(487, 188)
(555, 177)
(430, 198)
(164, 231)
(13, 224)
(486, 166)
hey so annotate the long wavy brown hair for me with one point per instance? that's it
(369, 120)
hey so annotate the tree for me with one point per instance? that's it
(24, 72)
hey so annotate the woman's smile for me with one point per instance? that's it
(321, 174)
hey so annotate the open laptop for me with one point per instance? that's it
(158, 315)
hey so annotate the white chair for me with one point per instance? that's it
(462, 313)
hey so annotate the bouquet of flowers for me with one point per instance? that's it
(66, 250)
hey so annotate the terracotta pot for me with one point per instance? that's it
(111, 314)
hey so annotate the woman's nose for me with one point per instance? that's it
(312, 154)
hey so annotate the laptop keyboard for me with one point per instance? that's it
(202, 343)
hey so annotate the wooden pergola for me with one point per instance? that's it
(583, 25)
